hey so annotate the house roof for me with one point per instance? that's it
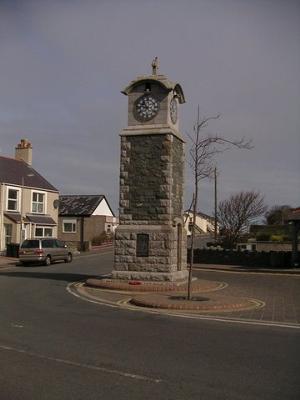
(41, 219)
(202, 215)
(15, 217)
(79, 205)
(294, 214)
(17, 172)
(36, 219)
(205, 216)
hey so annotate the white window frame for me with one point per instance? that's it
(43, 228)
(18, 190)
(44, 203)
(69, 221)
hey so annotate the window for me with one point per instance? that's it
(42, 231)
(147, 87)
(69, 225)
(13, 196)
(48, 244)
(30, 244)
(60, 244)
(38, 202)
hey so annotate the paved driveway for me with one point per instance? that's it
(281, 294)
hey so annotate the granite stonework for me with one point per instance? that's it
(151, 179)
(151, 188)
(161, 264)
(150, 242)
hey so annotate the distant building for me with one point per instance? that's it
(83, 218)
(204, 223)
(28, 202)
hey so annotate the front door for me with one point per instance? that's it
(7, 234)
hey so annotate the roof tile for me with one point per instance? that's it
(15, 172)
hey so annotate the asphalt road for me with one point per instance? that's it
(56, 346)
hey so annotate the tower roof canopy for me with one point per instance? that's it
(161, 80)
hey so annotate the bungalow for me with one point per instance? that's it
(28, 202)
(83, 218)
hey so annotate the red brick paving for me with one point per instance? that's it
(142, 286)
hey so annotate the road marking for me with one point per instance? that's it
(245, 272)
(70, 289)
(123, 305)
(92, 255)
(81, 365)
(243, 321)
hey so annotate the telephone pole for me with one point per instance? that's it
(216, 205)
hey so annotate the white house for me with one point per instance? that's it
(28, 202)
(204, 223)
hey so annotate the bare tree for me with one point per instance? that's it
(276, 215)
(237, 213)
(203, 149)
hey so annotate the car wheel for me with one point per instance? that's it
(23, 263)
(48, 260)
(69, 258)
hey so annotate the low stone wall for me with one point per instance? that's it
(273, 246)
(272, 259)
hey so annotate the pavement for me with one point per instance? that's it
(253, 298)
(205, 295)
(8, 261)
(213, 295)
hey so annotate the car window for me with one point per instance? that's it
(59, 243)
(47, 244)
(30, 244)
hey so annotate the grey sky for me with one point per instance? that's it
(63, 64)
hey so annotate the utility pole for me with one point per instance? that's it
(216, 205)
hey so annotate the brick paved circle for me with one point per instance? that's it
(198, 285)
(213, 303)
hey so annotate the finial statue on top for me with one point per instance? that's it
(155, 66)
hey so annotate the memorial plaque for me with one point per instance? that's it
(142, 245)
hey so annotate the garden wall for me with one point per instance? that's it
(280, 259)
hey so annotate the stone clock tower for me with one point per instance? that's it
(150, 242)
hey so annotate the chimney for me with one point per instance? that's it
(24, 151)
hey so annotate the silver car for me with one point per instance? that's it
(44, 251)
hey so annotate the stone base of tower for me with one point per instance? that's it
(150, 253)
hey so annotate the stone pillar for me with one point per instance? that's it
(150, 242)
(151, 186)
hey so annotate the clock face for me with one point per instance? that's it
(146, 107)
(173, 110)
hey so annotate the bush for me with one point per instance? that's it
(277, 238)
(263, 237)
(100, 239)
